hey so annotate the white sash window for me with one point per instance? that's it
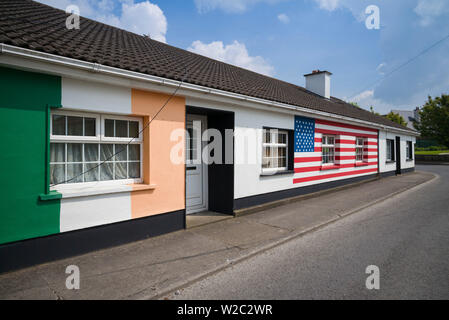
(359, 149)
(328, 149)
(95, 148)
(274, 151)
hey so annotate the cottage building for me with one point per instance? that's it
(91, 122)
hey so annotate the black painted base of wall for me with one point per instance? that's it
(260, 199)
(284, 194)
(409, 170)
(387, 174)
(31, 252)
(393, 173)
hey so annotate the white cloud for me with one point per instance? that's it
(363, 96)
(356, 7)
(231, 6)
(283, 18)
(141, 18)
(428, 10)
(144, 18)
(330, 5)
(381, 68)
(234, 53)
(367, 100)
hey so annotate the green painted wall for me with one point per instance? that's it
(24, 97)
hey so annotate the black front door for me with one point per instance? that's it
(398, 155)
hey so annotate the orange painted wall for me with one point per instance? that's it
(169, 178)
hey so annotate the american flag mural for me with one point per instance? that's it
(309, 166)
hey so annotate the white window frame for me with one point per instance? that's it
(274, 146)
(325, 144)
(392, 149)
(362, 147)
(122, 140)
(58, 138)
(409, 150)
(98, 139)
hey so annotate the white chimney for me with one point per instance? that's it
(319, 82)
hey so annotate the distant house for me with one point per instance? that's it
(409, 116)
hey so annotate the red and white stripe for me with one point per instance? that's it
(308, 165)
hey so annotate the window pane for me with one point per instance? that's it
(121, 129)
(109, 128)
(58, 125)
(57, 173)
(57, 152)
(133, 129)
(282, 152)
(121, 152)
(134, 170)
(282, 138)
(106, 152)
(107, 171)
(282, 163)
(134, 152)
(267, 152)
(91, 152)
(267, 136)
(120, 170)
(91, 170)
(90, 127)
(268, 163)
(74, 152)
(265, 163)
(75, 126)
(74, 171)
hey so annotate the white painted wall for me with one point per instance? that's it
(86, 212)
(95, 97)
(388, 167)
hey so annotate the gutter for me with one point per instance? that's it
(112, 71)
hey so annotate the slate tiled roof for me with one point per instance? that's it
(32, 25)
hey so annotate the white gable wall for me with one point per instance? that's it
(388, 167)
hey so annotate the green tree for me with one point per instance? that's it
(434, 120)
(395, 117)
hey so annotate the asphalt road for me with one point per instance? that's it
(407, 237)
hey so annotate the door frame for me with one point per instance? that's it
(204, 185)
(398, 155)
(221, 177)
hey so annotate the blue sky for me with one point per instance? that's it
(288, 38)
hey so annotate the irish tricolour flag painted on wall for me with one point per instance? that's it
(341, 142)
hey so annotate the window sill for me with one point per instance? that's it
(361, 164)
(78, 192)
(410, 160)
(274, 173)
(53, 195)
(330, 167)
(390, 162)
